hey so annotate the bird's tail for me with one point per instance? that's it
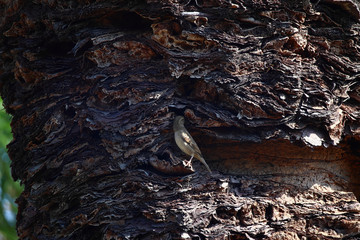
(203, 162)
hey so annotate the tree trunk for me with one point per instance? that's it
(269, 91)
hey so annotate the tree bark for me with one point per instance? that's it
(269, 91)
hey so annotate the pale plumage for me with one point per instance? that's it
(185, 142)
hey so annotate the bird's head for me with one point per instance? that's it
(178, 122)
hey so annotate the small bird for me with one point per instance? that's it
(185, 142)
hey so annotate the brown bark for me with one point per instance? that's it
(269, 90)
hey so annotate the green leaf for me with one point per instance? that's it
(9, 190)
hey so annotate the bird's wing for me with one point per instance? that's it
(186, 137)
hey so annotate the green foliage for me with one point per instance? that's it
(9, 190)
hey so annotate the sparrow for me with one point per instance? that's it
(185, 142)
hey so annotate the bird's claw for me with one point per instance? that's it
(187, 163)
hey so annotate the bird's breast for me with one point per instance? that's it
(182, 144)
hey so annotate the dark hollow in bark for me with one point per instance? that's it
(269, 90)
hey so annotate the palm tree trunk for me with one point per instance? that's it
(269, 91)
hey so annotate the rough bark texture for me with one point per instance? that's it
(269, 90)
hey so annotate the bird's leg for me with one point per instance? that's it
(188, 163)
